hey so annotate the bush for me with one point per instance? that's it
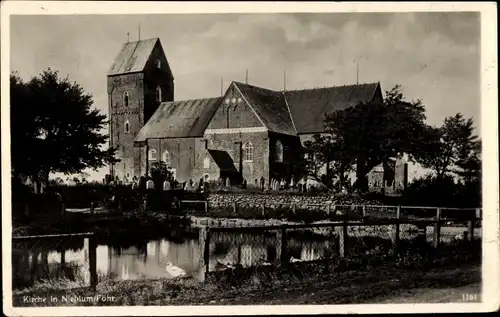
(429, 191)
(81, 196)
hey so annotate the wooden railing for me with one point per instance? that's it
(92, 249)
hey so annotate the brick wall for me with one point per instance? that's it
(120, 114)
(239, 115)
(183, 155)
(259, 166)
(142, 103)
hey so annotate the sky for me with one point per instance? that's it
(434, 56)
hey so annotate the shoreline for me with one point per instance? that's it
(378, 284)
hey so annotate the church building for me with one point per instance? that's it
(247, 134)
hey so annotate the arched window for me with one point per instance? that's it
(278, 154)
(206, 162)
(158, 94)
(165, 157)
(125, 98)
(152, 155)
(127, 126)
(248, 152)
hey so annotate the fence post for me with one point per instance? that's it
(343, 240)
(470, 229)
(479, 213)
(284, 259)
(263, 209)
(93, 261)
(293, 208)
(204, 244)
(234, 207)
(437, 228)
(396, 233)
(206, 206)
(207, 251)
(328, 209)
(364, 211)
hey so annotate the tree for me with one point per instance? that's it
(325, 151)
(454, 149)
(54, 128)
(371, 133)
(160, 172)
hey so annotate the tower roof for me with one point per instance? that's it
(133, 57)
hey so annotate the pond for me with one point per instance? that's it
(136, 256)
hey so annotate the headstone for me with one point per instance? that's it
(228, 182)
(166, 185)
(150, 184)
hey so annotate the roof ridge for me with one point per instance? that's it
(192, 99)
(254, 86)
(329, 87)
(143, 40)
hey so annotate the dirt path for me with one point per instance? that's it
(378, 286)
(463, 294)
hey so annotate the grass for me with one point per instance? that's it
(362, 279)
(384, 284)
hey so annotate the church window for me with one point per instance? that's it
(127, 126)
(166, 157)
(206, 162)
(126, 98)
(158, 94)
(248, 152)
(158, 63)
(152, 155)
(278, 152)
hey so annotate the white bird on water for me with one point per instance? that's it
(293, 260)
(175, 271)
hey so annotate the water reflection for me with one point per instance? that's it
(148, 259)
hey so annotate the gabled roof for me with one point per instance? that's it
(179, 119)
(308, 106)
(270, 107)
(133, 57)
(223, 160)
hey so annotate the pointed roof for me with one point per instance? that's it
(133, 57)
(269, 106)
(302, 111)
(308, 106)
(179, 119)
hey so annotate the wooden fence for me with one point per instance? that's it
(357, 210)
(341, 229)
(42, 239)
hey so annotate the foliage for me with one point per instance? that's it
(161, 172)
(371, 133)
(329, 152)
(442, 192)
(54, 127)
(454, 148)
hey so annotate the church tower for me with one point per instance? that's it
(138, 81)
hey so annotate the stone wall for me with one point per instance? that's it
(274, 201)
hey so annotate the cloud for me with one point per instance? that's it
(435, 56)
